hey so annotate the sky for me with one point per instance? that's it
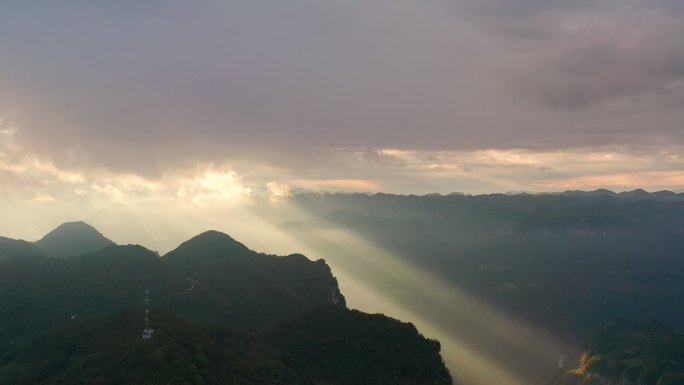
(199, 103)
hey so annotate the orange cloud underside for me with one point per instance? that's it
(647, 180)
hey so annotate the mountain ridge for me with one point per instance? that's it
(16, 247)
(247, 290)
(221, 312)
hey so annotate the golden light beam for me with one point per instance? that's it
(480, 343)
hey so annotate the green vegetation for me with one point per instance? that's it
(329, 345)
(630, 352)
(247, 290)
(210, 278)
(338, 346)
(265, 320)
(111, 351)
(44, 292)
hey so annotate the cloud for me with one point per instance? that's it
(213, 187)
(655, 180)
(278, 191)
(497, 170)
(44, 198)
(338, 185)
(382, 157)
(586, 53)
(148, 88)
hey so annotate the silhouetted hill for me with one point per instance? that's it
(208, 247)
(58, 327)
(355, 348)
(248, 290)
(72, 239)
(222, 282)
(39, 293)
(13, 248)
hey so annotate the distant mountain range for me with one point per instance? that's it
(222, 313)
(556, 260)
(634, 195)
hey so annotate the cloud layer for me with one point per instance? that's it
(148, 88)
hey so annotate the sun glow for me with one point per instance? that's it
(212, 187)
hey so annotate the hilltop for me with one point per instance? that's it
(72, 239)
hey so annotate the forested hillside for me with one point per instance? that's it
(221, 314)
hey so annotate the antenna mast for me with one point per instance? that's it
(147, 332)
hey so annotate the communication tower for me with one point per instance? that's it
(148, 331)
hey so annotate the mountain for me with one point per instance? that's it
(209, 247)
(40, 293)
(72, 239)
(222, 314)
(328, 345)
(248, 290)
(13, 248)
(214, 279)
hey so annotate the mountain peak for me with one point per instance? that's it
(210, 243)
(637, 192)
(602, 191)
(219, 239)
(72, 239)
(213, 234)
(76, 225)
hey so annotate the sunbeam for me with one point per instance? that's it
(480, 344)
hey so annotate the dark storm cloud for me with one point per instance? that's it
(585, 53)
(132, 85)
